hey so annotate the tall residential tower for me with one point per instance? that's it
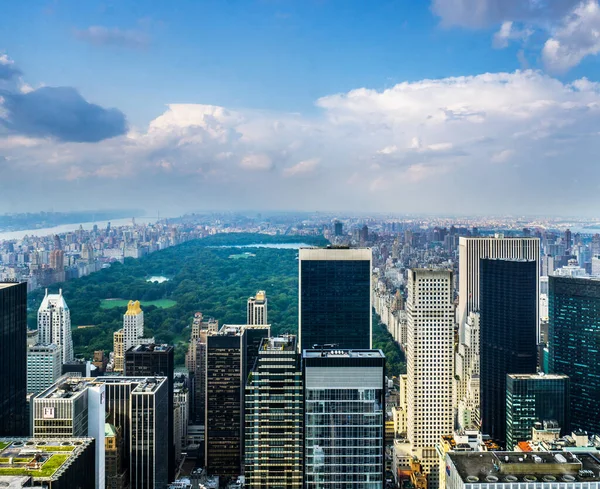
(54, 324)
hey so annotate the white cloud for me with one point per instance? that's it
(502, 156)
(571, 27)
(578, 37)
(509, 32)
(259, 162)
(302, 168)
(407, 148)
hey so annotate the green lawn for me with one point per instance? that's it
(122, 303)
(56, 448)
(47, 470)
(3, 445)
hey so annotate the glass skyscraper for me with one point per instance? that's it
(344, 398)
(531, 398)
(508, 303)
(273, 406)
(13, 358)
(574, 345)
(335, 297)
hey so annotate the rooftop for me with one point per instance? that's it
(38, 458)
(14, 481)
(65, 388)
(538, 376)
(279, 343)
(150, 347)
(343, 353)
(4, 285)
(502, 467)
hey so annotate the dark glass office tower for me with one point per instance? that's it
(335, 297)
(155, 360)
(574, 345)
(13, 359)
(508, 328)
(223, 402)
(532, 398)
(274, 400)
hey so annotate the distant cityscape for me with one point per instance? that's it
(498, 321)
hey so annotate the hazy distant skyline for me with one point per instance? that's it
(448, 106)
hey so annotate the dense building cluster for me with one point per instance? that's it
(501, 383)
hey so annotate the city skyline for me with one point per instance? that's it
(389, 108)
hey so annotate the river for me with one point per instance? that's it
(65, 228)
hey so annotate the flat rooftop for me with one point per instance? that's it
(66, 388)
(150, 347)
(279, 343)
(343, 353)
(4, 285)
(39, 458)
(503, 467)
(538, 376)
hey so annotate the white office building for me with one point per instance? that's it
(54, 324)
(429, 360)
(44, 364)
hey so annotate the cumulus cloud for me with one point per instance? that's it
(571, 28)
(8, 69)
(60, 113)
(302, 168)
(408, 148)
(113, 36)
(578, 37)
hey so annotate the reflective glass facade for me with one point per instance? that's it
(508, 304)
(344, 419)
(335, 298)
(574, 345)
(531, 398)
(13, 359)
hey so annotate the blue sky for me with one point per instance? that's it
(271, 89)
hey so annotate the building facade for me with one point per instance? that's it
(508, 305)
(429, 362)
(344, 399)
(44, 365)
(130, 335)
(257, 309)
(54, 324)
(13, 358)
(274, 417)
(335, 297)
(116, 474)
(73, 407)
(532, 398)
(471, 250)
(156, 360)
(574, 329)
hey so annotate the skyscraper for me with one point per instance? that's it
(223, 402)
(335, 297)
(429, 356)
(155, 360)
(138, 406)
(13, 358)
(54, 324)
(344, 396)
(471, 250)
(508, 304)
(44, 366)
(257, 309)
(229, 354)
(130, 335)
(574, 329)
(531, 398)
(273, 414)
(195, 361)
